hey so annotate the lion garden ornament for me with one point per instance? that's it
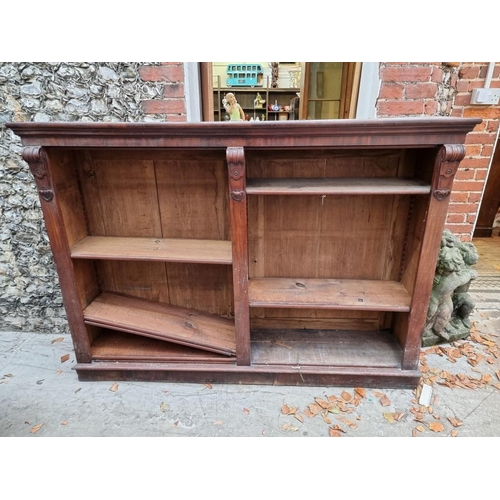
(450, 304)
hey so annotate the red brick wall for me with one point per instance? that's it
(445, 89)
(171, 106)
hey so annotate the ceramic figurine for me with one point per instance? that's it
(233, 109)
(258, 101)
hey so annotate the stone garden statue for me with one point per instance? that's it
(450, 305)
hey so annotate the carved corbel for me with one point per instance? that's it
(36, 158)
(237, 180)
(449, 158)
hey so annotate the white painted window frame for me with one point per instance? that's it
(369, 88)
(192, 91)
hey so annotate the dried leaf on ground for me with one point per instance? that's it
(486, 378)
(314, 408)
(455, 422)
(164, 407)
(325, 405)
(58, 372)
(361, 392)
(64, 358)
(209, 386)
(246, 410)
(378, 394)
(453, 433)
(35, 429)
(385, 401)
(414, 433)
(65, 422)
(308, 413)
(349, 423)
(420, 428)
(436, 426)
(390, 418)
(346, 396)
(334, 409)
(299, 417)
(290, 428)
(324, 414)
(334, 432)
(58, 339)
(289, 410)
(114, 387)
(218, 422)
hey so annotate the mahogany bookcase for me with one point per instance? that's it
(263, 253)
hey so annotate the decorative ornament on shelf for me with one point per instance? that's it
(294, 78)
(258, 101)
(233, 109)
(274, 74)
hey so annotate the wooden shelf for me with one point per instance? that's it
(363, 295)
(161, 321)
(322, 348)
(153, 249)
(120, 346)
(337, 186)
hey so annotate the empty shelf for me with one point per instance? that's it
(158, 249)
(337, 186)
(367, 295)
(162, 321)
(113, 345)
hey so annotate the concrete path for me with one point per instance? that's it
(41, 396)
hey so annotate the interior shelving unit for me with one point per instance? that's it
(246, 97)
(284, 253)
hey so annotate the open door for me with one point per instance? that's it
(329, 90)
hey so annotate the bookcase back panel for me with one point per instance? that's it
(345, 237)
(194, 286)
(121, 198)
(325, 163)
(312, 319)
(193, 198)
(197, 286)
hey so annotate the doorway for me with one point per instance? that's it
(297, 90)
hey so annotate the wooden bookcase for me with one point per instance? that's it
(298, 252)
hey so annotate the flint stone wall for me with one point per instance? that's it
(30, 296)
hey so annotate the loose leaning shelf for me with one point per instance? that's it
(277, 253)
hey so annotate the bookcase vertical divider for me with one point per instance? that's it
(239, 236)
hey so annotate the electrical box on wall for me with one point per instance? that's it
(486, 97)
